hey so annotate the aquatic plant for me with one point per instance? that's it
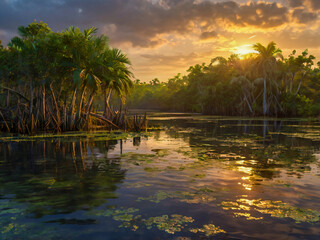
(200, 196)
(170, 224)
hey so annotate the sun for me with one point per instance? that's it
(244, 50)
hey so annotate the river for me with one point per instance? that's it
(197, 177)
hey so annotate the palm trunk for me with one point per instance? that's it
(31, 98)
(107, 105)
(73, 101)
(249, 106)
(88, 108)
(105, 100)
(8, 99)
(89, 104)
(44, 103)
(291, 81)
(72, 117)
(55, 105)
(300, 84)
(265, 95)
(80, 105)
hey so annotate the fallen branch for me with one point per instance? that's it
(14, 91)
(103, 119)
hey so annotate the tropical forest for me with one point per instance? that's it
(162, 119)
(264, 83)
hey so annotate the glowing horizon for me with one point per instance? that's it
(163, 38)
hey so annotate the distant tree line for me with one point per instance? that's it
(50, 80)
(261, 84)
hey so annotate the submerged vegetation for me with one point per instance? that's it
(194, 179)
(260, 84)
(50, 81)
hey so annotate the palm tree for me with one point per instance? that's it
(266, 62)
(117, 76)
(84, 58)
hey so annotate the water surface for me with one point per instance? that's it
(197, 178)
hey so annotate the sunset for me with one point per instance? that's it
(165, 37)
(159, 119)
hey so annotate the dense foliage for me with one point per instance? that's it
(49, 80)
(264, 83)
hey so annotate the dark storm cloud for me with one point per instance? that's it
(263, 15)
(208, 35)
(295, 3)
(141, 22)
(302, 16)
(315, 4)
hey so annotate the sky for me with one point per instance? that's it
(165, 37)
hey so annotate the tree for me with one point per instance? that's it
(117, 76)
(267, 64)
(74, 66)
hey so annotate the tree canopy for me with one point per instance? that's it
(50, 80)
(258, 84)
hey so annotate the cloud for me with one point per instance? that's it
(314, 4)
(142, 22)
(289, 39)
(191, 31)
(177, 60)
(208, 35)
(295, 3)
(303, 16)
(262, 15)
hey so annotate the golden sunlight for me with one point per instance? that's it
(243, 50)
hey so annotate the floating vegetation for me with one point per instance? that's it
(137, 156)
(152, 169)
(138, 159)
(136, 185)
(114, 212)
(9, 207)
(161, 152)
(208, 230)
(276, 209)
(78, 184)
(12, 225)
(123, 215)
(234, 206)
(126, 216)
(199, 176)
(231, 156)
(247, 216)
(157, 197)
(93, 135)
(171, 224)
(307, 133)
(200, 196)
(12, 229)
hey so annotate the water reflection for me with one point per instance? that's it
(194, 179)
(59, 177)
